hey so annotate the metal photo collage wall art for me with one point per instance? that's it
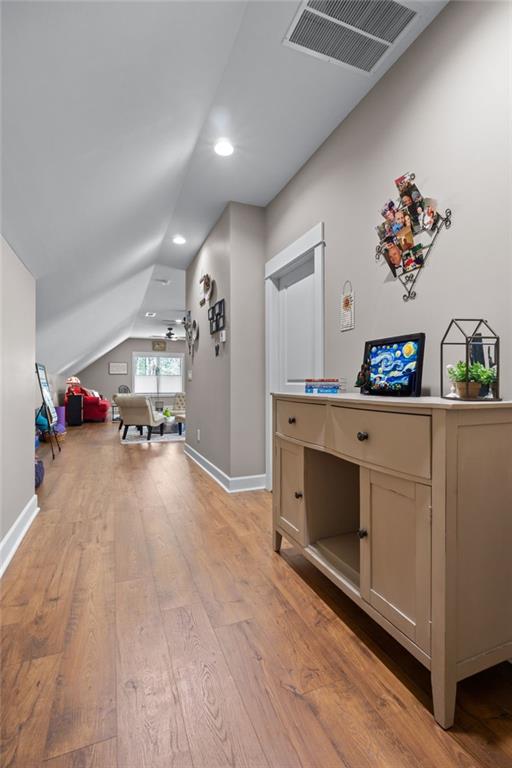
(410, 227)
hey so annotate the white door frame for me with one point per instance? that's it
(283, 262)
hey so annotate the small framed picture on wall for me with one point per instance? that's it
(118, 369)
(219, 307)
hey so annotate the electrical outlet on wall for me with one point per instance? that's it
(198, 435)
(189, 374)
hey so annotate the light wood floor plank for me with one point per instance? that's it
(290, 733)
(222, 596)
(174, 583)
(219, 730)
(102, 755)
(132, 560)
(83, 710)
(26, 696)
(150, 728)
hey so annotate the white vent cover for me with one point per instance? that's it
(356, 33)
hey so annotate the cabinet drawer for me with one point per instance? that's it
(400, 442)
(303, 421)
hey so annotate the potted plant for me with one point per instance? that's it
(470, 380)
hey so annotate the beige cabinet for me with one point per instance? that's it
(404, 503)
(395, 540)
(288, 495)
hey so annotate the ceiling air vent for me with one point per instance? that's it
(381, 18)
(352, 32)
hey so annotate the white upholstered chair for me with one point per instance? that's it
(179, 410)
(137, 411)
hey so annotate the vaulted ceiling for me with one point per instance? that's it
(109, 115)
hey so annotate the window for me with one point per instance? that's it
(157, 374)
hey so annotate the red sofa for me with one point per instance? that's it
(95, 408)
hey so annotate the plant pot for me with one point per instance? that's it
(469, 390)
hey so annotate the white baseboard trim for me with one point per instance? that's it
(16, 533)
(229, 484)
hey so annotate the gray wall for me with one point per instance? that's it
(443, 112)
(17, 355)
(247, 340)
(225, 398)
(208, 394)
(96, 375)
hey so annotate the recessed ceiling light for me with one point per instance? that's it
(179, 240)
(224, 147)
(150, 314)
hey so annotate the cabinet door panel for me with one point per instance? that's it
(396, 571)
(289, 500)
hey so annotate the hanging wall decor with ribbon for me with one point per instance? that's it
(347, 309)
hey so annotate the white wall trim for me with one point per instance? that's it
(229, 484)
(16, 533)
(290, 255)
(287, 259)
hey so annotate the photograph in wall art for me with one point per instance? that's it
(405, 238)
(393, 255)
(429, 217)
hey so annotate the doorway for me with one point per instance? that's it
(294, 307)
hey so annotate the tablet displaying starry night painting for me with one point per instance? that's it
(395, 365)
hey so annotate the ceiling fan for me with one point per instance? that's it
(171, 333)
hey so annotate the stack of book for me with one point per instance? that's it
(322, 386)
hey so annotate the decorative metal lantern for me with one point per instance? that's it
(470, 361)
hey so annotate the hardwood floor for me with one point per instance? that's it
(147, 623)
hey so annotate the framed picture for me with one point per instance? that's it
(216, 316)
(51, 413)
(159, 346)
(219, 307)
(118, 369)
(393, 366)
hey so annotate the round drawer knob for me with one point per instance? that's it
(362, 436)
(362, 533)
(298, 494)
(291, 420)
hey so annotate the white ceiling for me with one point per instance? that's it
(109, 115)
(167, 301)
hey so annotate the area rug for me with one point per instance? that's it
(133, 437)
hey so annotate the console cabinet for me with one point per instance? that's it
(406, 505)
